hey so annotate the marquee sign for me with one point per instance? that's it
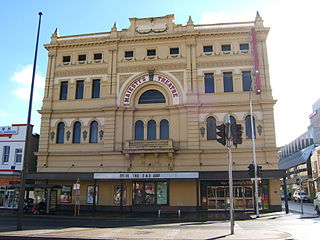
(157, 78)
(148, 175)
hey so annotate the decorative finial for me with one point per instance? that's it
(190, 22)
(56, 33)
(114, 28)
(258, 20)
(258, 15)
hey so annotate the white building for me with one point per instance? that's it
(12, 142)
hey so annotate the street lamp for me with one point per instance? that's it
(28, 134)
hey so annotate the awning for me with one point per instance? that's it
(297, 158)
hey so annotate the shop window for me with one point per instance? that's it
(151, 96)
(150, 193)
(65, 195)
(18, 155)
(76, 132)
(93, 138)
(164, 129)
(151, 134)
(63, 90)
(79, 89)
(151, 52)
(244, 46)
(225, 47)
(248, 127)
(60, 133)
(82, 57)
(209, 82)
(139, 130)
(208, 49)
(95, 88)
(6, 154)
(90, 194)
(128, 54)
(211, 128)
(97, 56)
(174, 51)
(228, 82)
(117, 195)
(246, 81)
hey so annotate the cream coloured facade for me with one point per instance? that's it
(135, 111)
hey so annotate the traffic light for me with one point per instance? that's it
(251, 170)
(236, 132)
(259, 173)
(222, 134)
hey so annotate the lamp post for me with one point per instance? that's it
(28, 134)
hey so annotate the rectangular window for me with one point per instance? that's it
(66, 59)
(64, 91)
(150, 193)
(79, 89)
(96, 88)
(82, 57)
(208, 48)
(228, 82)
(151, 52)
(246, 81)
(128, 54)
(6, 154)
(65, 196)
(209, 82)
(174, 50)
(244, 46)
(117, 195)
(226, 47)
(90, 194)
(18, 155)
(97, 56)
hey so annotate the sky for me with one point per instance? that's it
(293, 66)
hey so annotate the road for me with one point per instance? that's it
(296, 207)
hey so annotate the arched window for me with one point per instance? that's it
(232, 120)
(248, 127)
(93, 138)
(76, 132)
(139, 130)
(211, 128)
(151, 130)
(164, 129)
(60, 133)
(152, 96)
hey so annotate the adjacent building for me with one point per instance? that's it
(129, 117)
(12, 143)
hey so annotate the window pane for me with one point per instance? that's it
(76, 132)
(227, 82)
(60, 133)
(93, 138)
(174, 50)
(150, 193)
(139, 130)
(96, 88)
(6, 154)
(248, 127)
(162, 193)
(151, 96)
(97, 56)
(66, 58)
(79, 89)
(164, 129)
(226, 47)
(138, 190)
(63, 90)
(246, 80)
(151, 130)
(128, 54)
(232, 120)
(18, 157)
(82, 57)
(151, 52)
(209, 82)
(207, 49)
(211, 128)
(244, 46)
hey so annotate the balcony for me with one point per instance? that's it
(148, 146)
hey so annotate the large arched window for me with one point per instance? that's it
(232, 120)
(93, 138)
(211, 128)
(60, 132)
(152, 96)
(138, 130)
(151, 135)
(164, 129)
(249, 129)
(76, 132)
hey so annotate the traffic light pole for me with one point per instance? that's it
(256, 190)
(231, 209)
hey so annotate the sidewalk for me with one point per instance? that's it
(144, 228)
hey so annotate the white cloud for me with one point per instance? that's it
(23, 77)
(4, 114)
(293, 60)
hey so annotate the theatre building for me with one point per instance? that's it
(130, 116)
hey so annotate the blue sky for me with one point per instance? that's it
(292, 46)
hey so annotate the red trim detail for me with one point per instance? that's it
(19, 125)
(14, 141)
(6, 135)
(256, 60)
(9, 170)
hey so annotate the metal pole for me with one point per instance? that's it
(28, 134)
(230, 188)
(301, 201)
(256, 193)
(284, 186)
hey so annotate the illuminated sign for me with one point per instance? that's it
(148, 175)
